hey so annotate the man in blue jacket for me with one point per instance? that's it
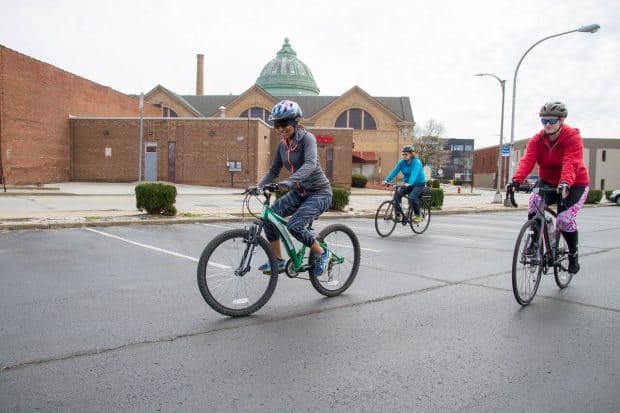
(415, 181)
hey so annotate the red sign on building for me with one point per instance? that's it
(324, 139)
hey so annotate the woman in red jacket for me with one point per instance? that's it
(558, 150)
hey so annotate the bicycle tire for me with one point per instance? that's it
(385, 219)
(225, 291)
(527, 270)
(560, 266)
(425, 215)
(341, 240)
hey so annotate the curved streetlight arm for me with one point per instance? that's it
(514, 82)
(591, 28)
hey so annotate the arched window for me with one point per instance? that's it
(257, 112)
(356, 119)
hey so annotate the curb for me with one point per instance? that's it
(232, 217)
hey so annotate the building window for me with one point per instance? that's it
(356, 119)
(602, 184)
(257, 112)
(469, 148)
(604, 156)
(457, 148)
(168, 113)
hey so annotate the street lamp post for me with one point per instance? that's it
(498, 196)
(591, 28)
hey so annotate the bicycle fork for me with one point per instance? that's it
(250, 251)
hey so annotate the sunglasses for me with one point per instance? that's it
(282, 124)
(552, 121)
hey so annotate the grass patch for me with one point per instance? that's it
(190, 215)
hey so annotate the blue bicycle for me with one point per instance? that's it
(228, 272)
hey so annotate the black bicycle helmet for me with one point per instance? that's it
(554, 109)
(408, 148)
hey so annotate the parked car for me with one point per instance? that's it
(615, 197)
(528, 184)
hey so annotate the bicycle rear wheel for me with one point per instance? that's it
(385, 219)
(345, 262)
(527, 263)
(560, 267)
(222, 277)
(425, 216)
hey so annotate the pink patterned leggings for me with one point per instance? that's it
(567, 212)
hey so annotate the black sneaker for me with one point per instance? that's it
(573, 263)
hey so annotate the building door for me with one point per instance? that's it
(150, 167)
(329, 164)
(172, 145)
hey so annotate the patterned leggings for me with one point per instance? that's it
(567, 212)
(303, 209)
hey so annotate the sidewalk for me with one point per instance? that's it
(76, 204)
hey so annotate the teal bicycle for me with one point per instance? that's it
(228, 272)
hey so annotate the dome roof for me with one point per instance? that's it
(286, 75)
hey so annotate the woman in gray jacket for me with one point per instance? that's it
(310, 192)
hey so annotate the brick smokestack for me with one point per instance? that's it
(200, 80)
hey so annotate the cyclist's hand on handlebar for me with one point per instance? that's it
(385, 183)
(563, 189)
(254, 190)
(513, 186)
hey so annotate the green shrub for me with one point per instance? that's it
(608, 194)
(156, 198)
(594, 196)
(359, 181)
(436, 198)
(434, 183)
(340, 198)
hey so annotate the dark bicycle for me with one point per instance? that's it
(386, 216)
(229, 277)
(540, 247)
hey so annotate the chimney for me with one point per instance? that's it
(200, 68)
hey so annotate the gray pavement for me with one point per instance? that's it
(74, 204)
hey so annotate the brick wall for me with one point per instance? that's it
(203, 146)
(36, 101)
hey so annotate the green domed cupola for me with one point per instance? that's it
(286, 75)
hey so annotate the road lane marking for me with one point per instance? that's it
(139, 244)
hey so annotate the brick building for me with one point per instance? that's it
(36, 102)
(200, 151)
(381, 125)
(56, 126)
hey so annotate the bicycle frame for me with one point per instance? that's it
(541, 217)
(279, 223)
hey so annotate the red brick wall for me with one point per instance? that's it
(203, 146)
(36, 100)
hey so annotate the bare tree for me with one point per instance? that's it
(429, 144)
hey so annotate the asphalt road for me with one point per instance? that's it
(90, 322)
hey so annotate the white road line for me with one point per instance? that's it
(176, 254)
(218, 226)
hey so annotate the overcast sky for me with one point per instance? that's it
(426, 50)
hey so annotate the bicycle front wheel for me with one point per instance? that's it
(345, 261)
(425, 218)
(527, 262)
(385, 219)
(560, 266)
(228, 275)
